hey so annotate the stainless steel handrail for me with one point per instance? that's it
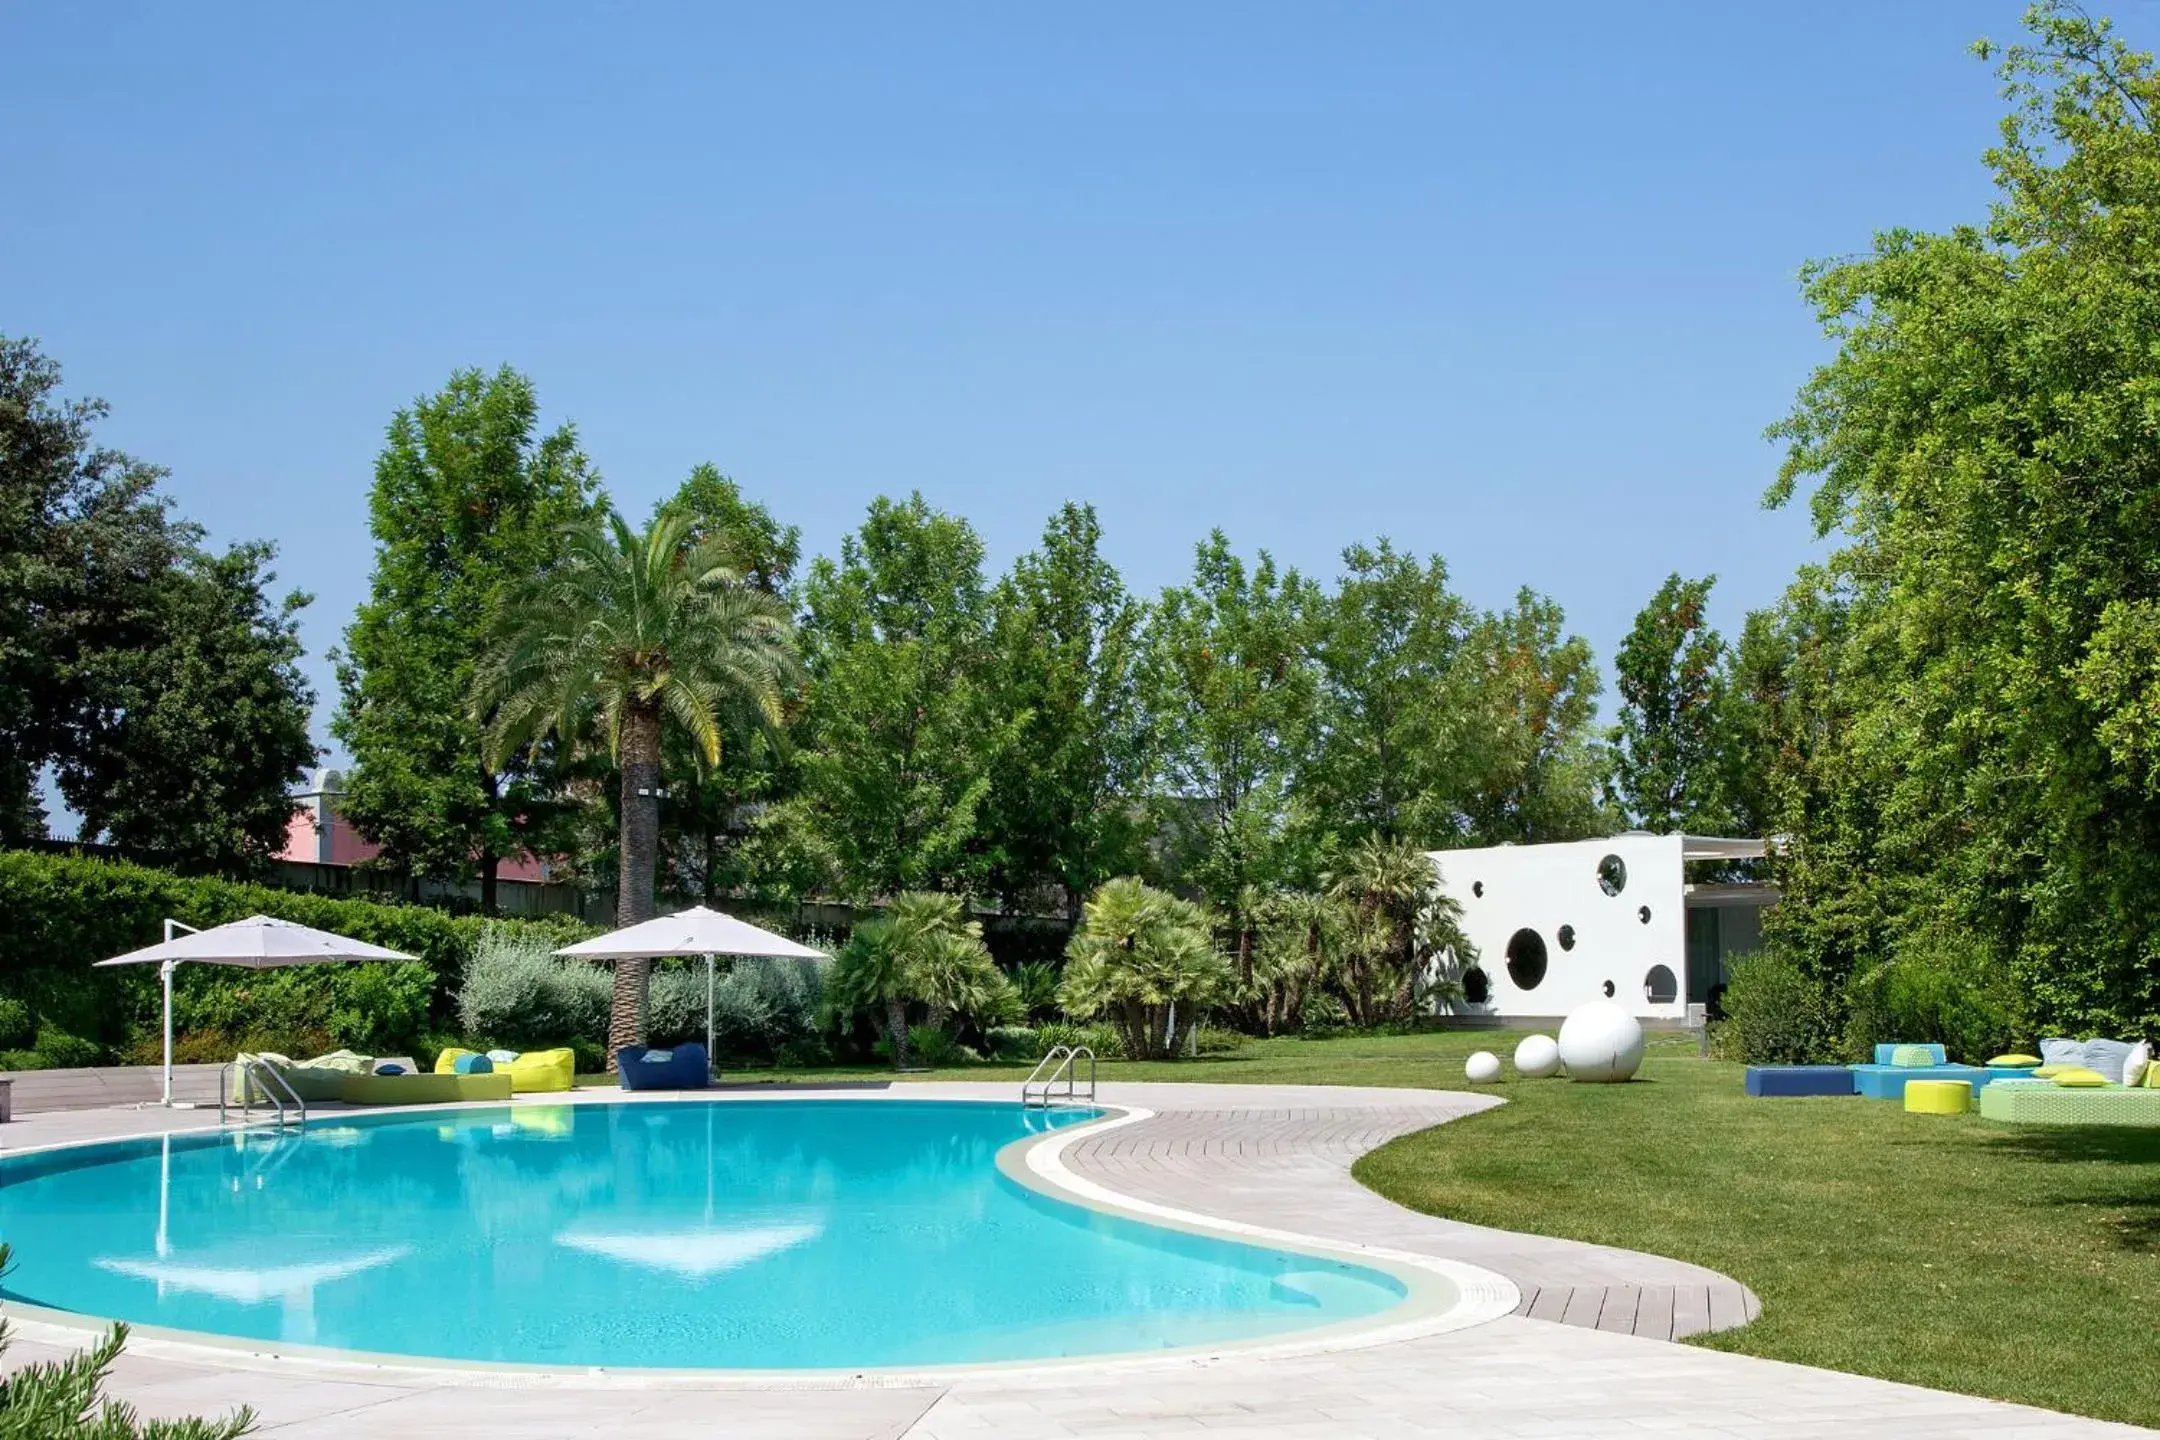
(255, 1068)
(1062, 1062)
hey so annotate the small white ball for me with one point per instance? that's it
(1601, 1043)
(1537, 1058)
(1482, 1068)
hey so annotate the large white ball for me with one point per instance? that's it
(1482, 1068)
(1537, 1058)
(1601, 1043)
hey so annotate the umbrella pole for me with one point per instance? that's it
(166, 970)
(708, 1016)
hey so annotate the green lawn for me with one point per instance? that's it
(2022, 1264)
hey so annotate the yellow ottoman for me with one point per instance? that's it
(1938, 1097)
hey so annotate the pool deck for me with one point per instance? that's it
(1587, 1352)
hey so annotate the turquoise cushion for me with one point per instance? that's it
(474, 1065)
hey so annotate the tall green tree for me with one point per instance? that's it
(156, 678)
(1062, 812)
(1231, 696)
(902, 731)
(634, 631)
(1970, 766)
(713, 811)
(191, 740)
(1145, 959)
(1395, 751)
(84, 539)
(1668, 749)
(470, 501)
(1535, 700)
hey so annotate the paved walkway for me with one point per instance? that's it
(1275, 1156)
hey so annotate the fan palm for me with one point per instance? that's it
(1403, 919)
(1137, 954)
(638, 629)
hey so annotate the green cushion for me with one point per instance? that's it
(1912, 1057)
(2016, 1062)
(423, 1089)
(2079, 1078)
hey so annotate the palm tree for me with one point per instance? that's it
(869, 974)
(1139, 952)
(635, 629)
(1403, 919)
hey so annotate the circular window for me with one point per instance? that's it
(1643, 914)
(1612, 874)
(1567, 937)
(1477, 888)
(1476, 986)
(1608, 989)
(1660, 987)
(1526, 959)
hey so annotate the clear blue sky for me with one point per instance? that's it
(1512, 284)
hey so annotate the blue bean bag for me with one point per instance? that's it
(682, 1068)
(1799, 1080)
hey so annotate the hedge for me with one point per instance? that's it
(61, 913)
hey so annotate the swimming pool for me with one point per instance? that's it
(780, 1234)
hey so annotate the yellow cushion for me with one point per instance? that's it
(2077, 1077)
(540, 1071)
(422, 1089)
(2015, 1061)
(446, 1063)
(2152, 1076)
(2049, 1072)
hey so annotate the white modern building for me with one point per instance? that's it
(1558, 925)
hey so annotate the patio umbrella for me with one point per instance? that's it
(696, 931)
(256, 943)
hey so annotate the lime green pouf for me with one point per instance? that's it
(1938, 1097)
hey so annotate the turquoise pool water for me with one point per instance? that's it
(777, 1234)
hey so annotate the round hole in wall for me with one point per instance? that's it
(1660, 987)
(1476, 986)
(1608, 989)
(1567, 937)
(1477, 888)
(1643, 914)
(1612, 874)
(1526, 959)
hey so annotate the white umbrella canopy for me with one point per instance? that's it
(259, 942)
(696, 931)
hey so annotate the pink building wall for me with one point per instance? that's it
(318, 835)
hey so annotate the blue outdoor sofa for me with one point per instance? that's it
(1885, 1081)
(682, 1068)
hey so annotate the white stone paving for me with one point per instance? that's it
(1271, 1155)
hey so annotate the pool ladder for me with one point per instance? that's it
(1061, 1064)
(267, 1079)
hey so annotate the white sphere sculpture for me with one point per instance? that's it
(1482, 1068)
(1537, 1058)
(1601, 1043)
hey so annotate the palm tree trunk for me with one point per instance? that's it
(896, 1030)
(640, 849)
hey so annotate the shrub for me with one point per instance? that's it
(1933, 991)
(1322, 1016)
(1102, 1039)
(65, 1400)
(1775, 1014)
(16, 1024)
(1036, 985)
(59, 913)
(1013, 1043)
(759, 1006)
(58, 1050)
(1216, 1040)
(517, 993)
(937, 1049)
